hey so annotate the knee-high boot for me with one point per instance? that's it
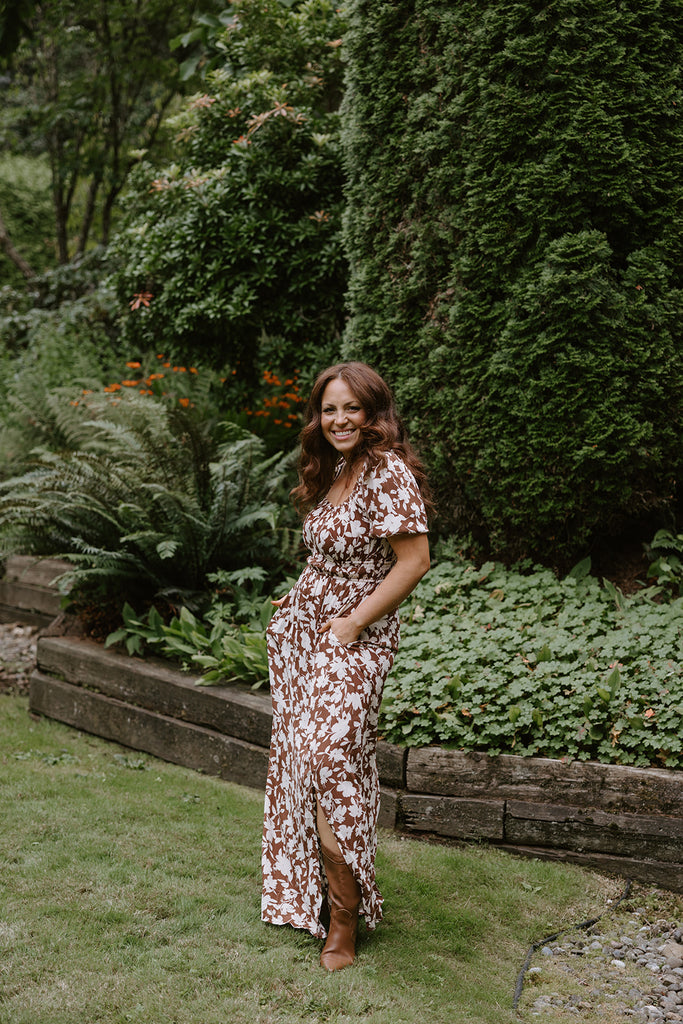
(344, 899)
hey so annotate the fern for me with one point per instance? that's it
(147, 502)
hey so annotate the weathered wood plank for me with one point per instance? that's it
(579, 828)
(167, 738)
(10, 613)
(451, 816)
(36, 572)
(652, 872)
(151, 684)
(391, 764)
(544, 780)
(388, 808)
(25, 597)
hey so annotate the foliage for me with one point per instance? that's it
(517, 661)
(229, 647)
(237, 243)
(89, 86)
(48, 345)
(515, 248)
(666, 551)
(148, 500)
(27, 212)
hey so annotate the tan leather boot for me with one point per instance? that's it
(344, 899)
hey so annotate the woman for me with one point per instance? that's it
(331, 644)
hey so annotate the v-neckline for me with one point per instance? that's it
(339, 504)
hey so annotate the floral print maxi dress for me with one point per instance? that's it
(326, 697)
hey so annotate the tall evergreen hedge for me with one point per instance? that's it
(515, 232)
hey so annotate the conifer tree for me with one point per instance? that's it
(515, 233)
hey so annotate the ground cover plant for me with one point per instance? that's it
(519, 661)
(130, 891)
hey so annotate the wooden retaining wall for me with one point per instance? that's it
(628, 821)
(26, 591)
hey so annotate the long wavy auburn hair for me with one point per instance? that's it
(383, 431)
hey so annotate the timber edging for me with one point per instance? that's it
(27, 593)
(624, 820)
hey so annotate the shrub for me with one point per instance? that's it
(237, 243)
(515, 253)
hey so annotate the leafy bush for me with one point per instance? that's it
(229, 646)
(515, 251)
(237, 243)
(149, 500)
(520, 662)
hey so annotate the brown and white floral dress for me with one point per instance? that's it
(326, 697)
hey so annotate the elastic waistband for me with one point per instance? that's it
(338, 572)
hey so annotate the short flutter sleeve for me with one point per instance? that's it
(393, 503)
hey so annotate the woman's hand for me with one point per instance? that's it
(345, 630)
(277, 602)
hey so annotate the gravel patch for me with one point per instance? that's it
(628, 967)
(17, 656)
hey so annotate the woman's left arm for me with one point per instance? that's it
(412, 562)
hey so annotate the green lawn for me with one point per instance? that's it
(130, 890)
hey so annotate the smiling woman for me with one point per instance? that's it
(331, 645)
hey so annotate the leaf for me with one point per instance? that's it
(581, 569)
(167, 548)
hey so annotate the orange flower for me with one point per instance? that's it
(130, 383)
(179, 369)
(86, 391)
(155, 376)
(166, 366)
(112, 387)
(193, 369)
(133, 366)
(184, 402)
(649, 713)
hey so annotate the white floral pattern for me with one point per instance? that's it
(326, 697)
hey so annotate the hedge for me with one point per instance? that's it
(514, 233)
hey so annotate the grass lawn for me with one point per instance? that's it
(130, 891)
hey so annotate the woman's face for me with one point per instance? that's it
(341, 416)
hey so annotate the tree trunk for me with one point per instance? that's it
(89, 213)
(11, 252)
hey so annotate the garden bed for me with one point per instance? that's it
(624, 820)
